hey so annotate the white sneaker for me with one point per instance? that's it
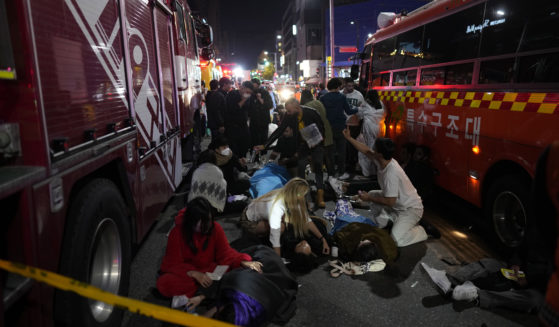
(344, 176)
(438, 277)
(465, 292)
(336, 185)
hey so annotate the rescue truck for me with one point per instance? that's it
(96, 98)
(477, 82)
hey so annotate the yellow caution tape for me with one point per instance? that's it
(147, 309)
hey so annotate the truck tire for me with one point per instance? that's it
(96, 250)
(506, 209)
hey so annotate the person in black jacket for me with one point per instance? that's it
(236, 118)
(259, 113)
(230, 165)
(297, 118)
(215, 105)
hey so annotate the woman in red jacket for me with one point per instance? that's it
(197, 245)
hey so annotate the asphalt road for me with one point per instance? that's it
(398, 296)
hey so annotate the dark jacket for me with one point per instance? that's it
(236, 127)
(236, 116)
(336, 104)
(310, 116)
(259, 113)
(215, 106)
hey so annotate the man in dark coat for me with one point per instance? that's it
(299, 117)
(215, 105)
(259, 113)
(236, 118)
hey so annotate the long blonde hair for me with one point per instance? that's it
(293, 196)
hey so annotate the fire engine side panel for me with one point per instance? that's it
(165, 55)
(18, 98)
(82, 73)
(451, 123)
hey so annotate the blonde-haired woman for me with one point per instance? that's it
(272, 212)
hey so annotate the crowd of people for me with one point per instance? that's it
(281, 235)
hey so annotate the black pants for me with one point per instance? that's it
(351, 152)
(317, 159)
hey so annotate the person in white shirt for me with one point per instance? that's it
(355, 100)
(397, 201)
(272, 212)
(371, 113)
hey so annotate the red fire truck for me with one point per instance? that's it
(96, 98)
(476, 81)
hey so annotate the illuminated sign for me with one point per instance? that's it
(478, 28)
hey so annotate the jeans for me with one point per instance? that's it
(523, 300)
(317, 158)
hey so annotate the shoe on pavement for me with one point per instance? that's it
(337, 185)
(439, 279)
(465, 292)
(431, 230)
(344, 177)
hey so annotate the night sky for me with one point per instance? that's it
(253, 23)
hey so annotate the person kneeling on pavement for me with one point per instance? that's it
(195, 247)
(304, 120)
(397, 201)
(283, 217)
(231, 165)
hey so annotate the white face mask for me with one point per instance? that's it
(246, 95)
(226, 152)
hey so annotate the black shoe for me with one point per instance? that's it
(431, 230)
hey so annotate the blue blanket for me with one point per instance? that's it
(268, 178)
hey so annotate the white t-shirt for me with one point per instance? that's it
(267, 209)
(354, 99)
(395, 184)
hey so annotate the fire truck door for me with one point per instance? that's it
(162, 22)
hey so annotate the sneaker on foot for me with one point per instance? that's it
(465, 292)
(439, 279)
(336, 185)
(344, 177)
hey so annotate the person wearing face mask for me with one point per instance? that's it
(196, 246)
(230, 164)
(236, 118)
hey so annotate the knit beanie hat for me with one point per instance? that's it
(208, 182)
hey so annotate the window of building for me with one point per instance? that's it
(541, 68)
(408, 49)
(313, 36)
(502, 27)
(497, 71)
(383, 55)
(404, 78)
(454, 37)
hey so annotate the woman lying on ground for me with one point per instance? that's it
(247, 298)
(285, 209)
(362, 243)
(197, 245)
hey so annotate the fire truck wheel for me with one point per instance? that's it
(507, 209)
(96, 250)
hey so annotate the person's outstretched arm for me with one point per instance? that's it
(361, 147)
